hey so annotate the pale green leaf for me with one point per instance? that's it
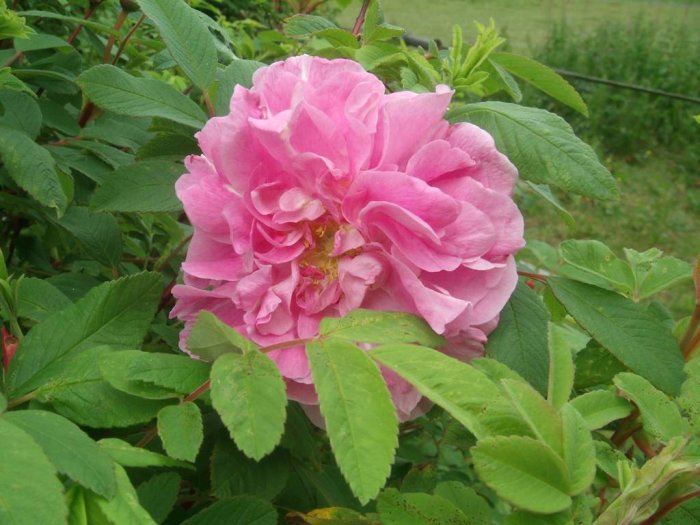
(181, 431)
(248, 392)
(524, 472)
(25, 475)
(211, 338)
(70, 449)
(417, 509)
(626, 329)
(128, 455)
(187, 38)
(579, 452)
(125, 506)
(592, 262)
(561, 368)
(601, 407)
(358, 411)
(112, 89)
(542, 146)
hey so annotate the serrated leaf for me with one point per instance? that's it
(542, 146)
(417, 509)
(127, 455)
(187, 38)
(238, 72)
(372, 326)
(32, 168)
(98, 234)
(181, 431)
(592, 262)
(628, 330)
(539, 415)
(124, 507)
(153, 375)
(579, 452)
(302, 25)
(147, 186)
(69, 448)
(543, 78)
(233, 474)
(117, 313)
(358, 411)
(601, 407)
(38, 299)
(520, 340)
(524, 472)
(465, 392)
(245, 510)
(660, 416)
(21, 112)
(248, 392)
(158, 494)
(561, 368)
(112, 89)
(211, 338)
(25, 472)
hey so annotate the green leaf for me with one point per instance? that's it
(187, 38)
(38, 42)
(543, 78)
(124, 507)
(127, 455)
(372, 326)
(233, 474)
(147, 186)
(358, 411)
(25, 475)
(520, 340)
(97, 233)
(660, 416)
(153, 375)
(689, 513)
(244, 510)
(628, 330)
(211, 338)
(75, 388)
(70, 449)
(654, 273)
(524, 472)
(36, 13)
(238, 72)
(539, 415)
(579, 452)
(542, 146)
(689, 400)
(21, 112)
(465, 392)
(302, 25)
(181, 431)
(545, 192)
(595, 366)
(12, 25)
(248, 392)
(112, 89)
(417, 509)
(561, 368)
(592, 262)
(158, 494)
(421, 478)
(32, 168)
(473, 506)
(117, 313)
(38, 299)
(601, 407)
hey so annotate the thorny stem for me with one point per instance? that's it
(126, 39)
(663, 511)
(357, 28)
(123, 14)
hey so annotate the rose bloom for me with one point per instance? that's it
(320, 193)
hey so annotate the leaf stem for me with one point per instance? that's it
(88, 13)
(126, 39)
(210, 106)
(21, 399)
(121, 18)
(537, 276)
(359, 22)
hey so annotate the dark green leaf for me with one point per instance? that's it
(594, 263)
(628, 330)
(25, 475)
(543, 147)
(473, 506)
(180, 429)
(187, 37)
(520, 340)
(117, 91)
(21, 112)
(358, 411)
(158, 494)
(124, 507)
(302, 25)
(70, 449)
(39, 41)
(417, 509)
(38, 299)
(97, 233)
(248, 392)
(242, 510)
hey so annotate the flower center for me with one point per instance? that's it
(316, 262)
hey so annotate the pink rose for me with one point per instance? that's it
(319, 193)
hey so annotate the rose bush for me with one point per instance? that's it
(319, 193)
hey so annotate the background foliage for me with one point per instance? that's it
(584, 410)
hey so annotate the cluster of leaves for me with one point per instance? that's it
(583, 411)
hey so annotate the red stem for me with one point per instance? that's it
(123, 14)
(537, 276)
(357, 28)
(127, 38)
(688, 342)
(663, 511)
(88, 13)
